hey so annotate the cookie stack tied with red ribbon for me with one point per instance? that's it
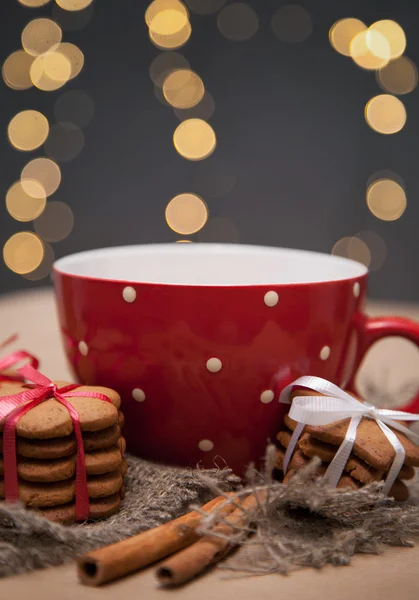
(356, 442)
(62, 452)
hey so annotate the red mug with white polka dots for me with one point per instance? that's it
(199, 339)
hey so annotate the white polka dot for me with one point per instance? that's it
(138, 395)
(205, 445)
(129, 294)
(325, 353)
(271, 299)
(214, 365)
(356, 289)
(83, 348)
(267, 396)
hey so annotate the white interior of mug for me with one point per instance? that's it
(209, 264)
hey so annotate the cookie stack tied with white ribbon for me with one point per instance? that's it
(360, 456)
(46, 451)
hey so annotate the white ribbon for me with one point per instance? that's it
(335, 405)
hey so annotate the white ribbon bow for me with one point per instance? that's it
(335, 405)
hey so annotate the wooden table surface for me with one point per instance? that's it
(392, 575)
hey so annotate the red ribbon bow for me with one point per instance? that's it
(14, 406)
(13, 359)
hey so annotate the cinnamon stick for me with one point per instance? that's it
(191, 561)
(119, 559)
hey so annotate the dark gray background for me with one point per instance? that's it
(289, 120)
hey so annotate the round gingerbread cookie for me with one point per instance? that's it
(66, 446)
(60, 469)
(62, 492)
(51, 419)
(103, 461)
(99, 508)
(113, 396)
(99, 440)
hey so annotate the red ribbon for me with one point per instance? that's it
(13, 359)
(14, 406)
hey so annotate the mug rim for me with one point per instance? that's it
(67, 265)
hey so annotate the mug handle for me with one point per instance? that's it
(373, 329)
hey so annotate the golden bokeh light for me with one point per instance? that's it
(64, 142)
(23, 252)
(399, 77)
(34, 3)
(385, 114)
(186, 214)
(378, 44)
(41, 35)
(75, 107)
(55, 65)
(220, 230)
(74, 5)
(292, 23)
(386, 199)
(173, 41)
(74, 56)
(55, 223)
(194, 139)
(164, 64)
(157, 7)
(16, 70)
(183, 88)
(370, 50)
(170, 20)
(203, 110)
(50, 71)
(205, 7)
(23, 207)
(376, 246)
(353, 248)
(393, 33)
(343, 32)
(45, 268)
(28, 130)
(184, 242)
(238, 22)
(43, 171)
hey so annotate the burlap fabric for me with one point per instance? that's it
(155, 494)
(305, 523)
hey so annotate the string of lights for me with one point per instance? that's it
(182, 89)
(46, 62)
(378, 48)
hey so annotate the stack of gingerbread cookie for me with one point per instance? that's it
(46, 451)
(371, 458)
